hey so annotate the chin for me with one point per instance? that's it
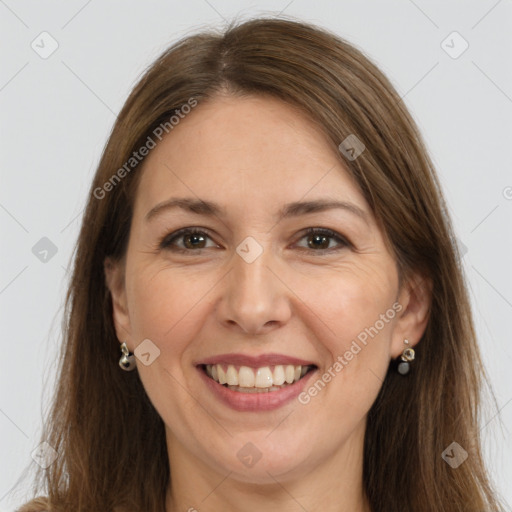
(263, 462)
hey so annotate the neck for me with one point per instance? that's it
(334, 485)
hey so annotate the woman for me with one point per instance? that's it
(266, 253)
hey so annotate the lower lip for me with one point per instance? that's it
(264, 401)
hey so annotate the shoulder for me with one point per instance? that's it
(39, 504)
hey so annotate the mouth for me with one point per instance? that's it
(255, 383)
(263, 379)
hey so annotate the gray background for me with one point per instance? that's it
(56, 114)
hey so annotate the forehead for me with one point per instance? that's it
(245, 151)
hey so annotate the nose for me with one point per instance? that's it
(254, 300)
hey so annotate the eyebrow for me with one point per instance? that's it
(295, 209)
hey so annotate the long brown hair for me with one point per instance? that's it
(110, 439)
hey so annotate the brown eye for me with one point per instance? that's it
(191, 240)
(187, 240)
(321, 239)
(318, 242)
(194, 241)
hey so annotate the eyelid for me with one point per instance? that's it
(166, 243)
(342, 240)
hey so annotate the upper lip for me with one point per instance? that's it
(255, 361)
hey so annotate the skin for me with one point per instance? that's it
(252, 156)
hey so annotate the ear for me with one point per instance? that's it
(115, 280)
(415, 297)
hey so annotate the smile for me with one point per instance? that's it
(245, 379)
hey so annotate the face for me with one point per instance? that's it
(240, 266)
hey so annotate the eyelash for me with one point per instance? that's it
(168, 240)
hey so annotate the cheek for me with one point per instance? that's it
(167, 307)
(163, 301)
(354, 304)
(358, 316)
(357, 319)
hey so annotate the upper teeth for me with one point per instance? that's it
(264, 377)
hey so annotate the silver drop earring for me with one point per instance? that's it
(127, 360)
(406, 357)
